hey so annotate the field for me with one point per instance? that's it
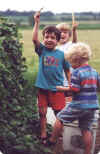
(92, 37)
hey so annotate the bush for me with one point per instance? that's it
(18, 111)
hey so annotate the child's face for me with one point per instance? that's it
(65, 36)
(49, 40)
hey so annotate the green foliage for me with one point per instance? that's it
(18, 111)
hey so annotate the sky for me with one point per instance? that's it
(55, 6)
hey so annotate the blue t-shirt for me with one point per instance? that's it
(51, 66)
(85, 82)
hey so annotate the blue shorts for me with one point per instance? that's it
(85, 118)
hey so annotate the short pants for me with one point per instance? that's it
(85, 117)
(53, 99)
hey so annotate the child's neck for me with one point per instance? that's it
(85, 63)
(62, 43)
(53, 49)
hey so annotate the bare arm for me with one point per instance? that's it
(62, 88)
(74, 33)
(68, 75)
(35, 39)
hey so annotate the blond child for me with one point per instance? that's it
(64, 44)
(66, 34)
(85, 82)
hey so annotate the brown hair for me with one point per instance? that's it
(52, 29)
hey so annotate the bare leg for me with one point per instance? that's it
(57, 129)
(43, 121)
(87, 138)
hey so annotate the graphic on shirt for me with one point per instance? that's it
(50, 61)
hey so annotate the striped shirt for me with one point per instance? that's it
(85, 82)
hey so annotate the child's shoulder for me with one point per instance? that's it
(85, 68)
(64, 46)
(59, 52)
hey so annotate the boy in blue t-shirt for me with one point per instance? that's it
(50, 74)
(85, 82)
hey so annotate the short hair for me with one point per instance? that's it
(64, 26)
(52, 29)
(78, 53)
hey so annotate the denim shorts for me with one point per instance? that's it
(85, 117)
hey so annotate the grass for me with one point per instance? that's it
(92, 38)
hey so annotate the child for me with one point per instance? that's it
(50, 75)
(65, 43)
(85, 82)
(66, 34)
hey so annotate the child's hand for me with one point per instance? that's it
(62, 88)
(74, 26)
(37, 17)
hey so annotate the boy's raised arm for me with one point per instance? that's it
(74, 33)
(35, 39)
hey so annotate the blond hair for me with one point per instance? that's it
(78, 54)
(63, 26)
